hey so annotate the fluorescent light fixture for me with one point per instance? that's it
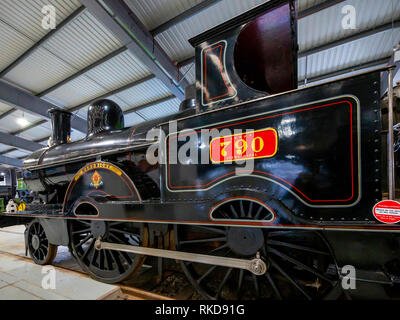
(22, 122)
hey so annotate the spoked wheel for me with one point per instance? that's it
(108, 266)
(300, 264)
(41, 251)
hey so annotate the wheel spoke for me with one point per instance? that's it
(221, 286)
(291, 280)
(108, 259)
(207, 273)
(224, 214)
(300, 264)
(296, 246)
(250, 209)
(284, 233)
(116, 223)
(88, 249)
(124, 232)
(87, 223)
(84, 240)
(135, 241)
(93, 261)
(34, 228)
(218, 248)
(203, 240)
(273, 285)
(101, 253)
(242, 214)
(269, 216)
(113, 236)
(117, 261)
(42, 252)
(240, 282)
(234, 212)
(211, 229)
(81, 231)
(256, 286)
(256, 217)
(122, 253)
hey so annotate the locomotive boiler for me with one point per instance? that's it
(255, 186)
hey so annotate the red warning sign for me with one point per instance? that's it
(387, 211)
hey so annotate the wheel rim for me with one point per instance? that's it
(300, 264)
(38, 243)
(108, 266)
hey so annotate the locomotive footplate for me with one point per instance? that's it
(182, 213)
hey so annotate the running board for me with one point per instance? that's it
(255, 266)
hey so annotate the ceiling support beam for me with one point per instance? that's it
(7, 113)
(302, 14)
(10, 161)
(208, 3)
(340, 72)
(329, 45)
(128, 111)
(18, 142)
(77, 74)
(84, 104)
(85, 70)
(118, 18)
(8, 150)
(149, 104)
(30, 126)
(51, 33)
(22, 157)
(82, 71)
(317, 8)
(30, 103)
(205, 4)
(354, 37)
(113, 92)
(185, 62)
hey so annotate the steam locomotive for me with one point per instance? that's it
(255, 186)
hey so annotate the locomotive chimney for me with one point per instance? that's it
(190, 99)
(61, 126)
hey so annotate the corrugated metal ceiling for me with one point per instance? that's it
(84, 41)
(26, 16)
(175, 40)
(369, 14)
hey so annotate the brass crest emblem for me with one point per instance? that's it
(96, 180)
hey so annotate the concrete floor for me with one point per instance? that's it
(21, 279)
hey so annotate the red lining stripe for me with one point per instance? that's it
(72, 185)
(266, 173)
(266, 224)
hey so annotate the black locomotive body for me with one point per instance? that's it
(288, 177)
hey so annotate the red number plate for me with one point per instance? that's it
(244, 146)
